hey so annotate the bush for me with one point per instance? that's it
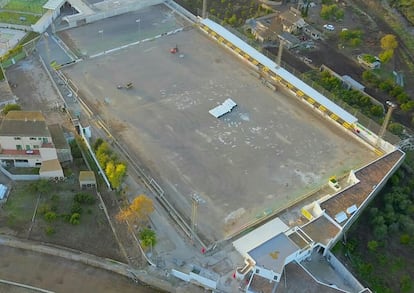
(396, 128)
(50, 231)
(76, 208)
(84, 198)
(11, 107)
(75, 219)
(44, 208)
(50, 216)
(372, 245)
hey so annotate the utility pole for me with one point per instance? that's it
(391, 107)
(204, 12)
(196, 201)
(279, 54)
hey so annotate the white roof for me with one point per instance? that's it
(265, 61)
(53, 4)
(222, 109)
(259, 236)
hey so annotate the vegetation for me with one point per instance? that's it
(109, 162)
(388, 44)
(230, 12)
(351, 97)
(352, 38)
(406, 8)
(18, 18)
(332, 12)
(11, 107)
(138, 211)
(148, 237)
(380, 245)
(389, 87)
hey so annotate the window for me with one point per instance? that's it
(45, 140)
(21, 161)
(27, 147)
(33, 138)
(18, 147)
(35, 146)
(17, 138)
(39, 138)
(38, 164)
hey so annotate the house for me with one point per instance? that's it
(25, 141)
(265, 28)
(289, 41)
(312, 32)
(87, 179)
(291, 21)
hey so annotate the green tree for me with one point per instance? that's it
(11, 107)
(148, 237)
(396, 128)
(408, 106)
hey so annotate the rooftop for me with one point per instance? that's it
(58, 136)
(87, 176)
(24, 123)
(272, 254)
(298, 280)
(321, 230)
(50, 165)
(369, 176)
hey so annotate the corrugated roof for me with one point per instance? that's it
(286, 75)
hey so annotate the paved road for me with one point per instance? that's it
(60, 275)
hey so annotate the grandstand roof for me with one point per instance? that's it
(53, 4)
(265, 61)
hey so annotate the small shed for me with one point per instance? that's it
(87, 179)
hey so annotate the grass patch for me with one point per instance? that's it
(15, 18)
(32, 6)
(20, 205)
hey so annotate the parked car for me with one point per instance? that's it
(329, 27)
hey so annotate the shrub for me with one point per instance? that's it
(11, 107)
(76, 208)
(84, 198)
(75, 219)
(50, 216)
(405, 239)
(372, 245)
(396, 128)
(44, 208)
(50, 231)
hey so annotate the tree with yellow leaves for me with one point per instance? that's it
(138, 211)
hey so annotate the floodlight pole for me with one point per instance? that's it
(196, 201)
(204, 12)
